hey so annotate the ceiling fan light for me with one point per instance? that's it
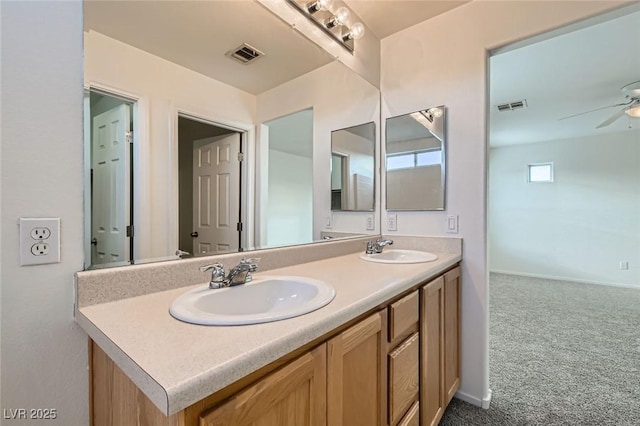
(633, 111)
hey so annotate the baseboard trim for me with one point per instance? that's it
(478, 402)
(575, 280)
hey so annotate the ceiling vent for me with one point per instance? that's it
(245, 53)
(512, 105)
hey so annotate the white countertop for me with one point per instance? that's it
(177, 364)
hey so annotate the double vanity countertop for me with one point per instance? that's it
(177, 364)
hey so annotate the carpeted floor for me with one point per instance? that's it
(561, 353)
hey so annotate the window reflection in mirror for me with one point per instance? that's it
(415, 160)
(353, 168)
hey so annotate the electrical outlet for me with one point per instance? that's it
(624, 265)
(371, 225)
(40, 249)
(40, 233)
(392, 222)
(39, 241)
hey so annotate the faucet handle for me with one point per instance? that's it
(217, 272)
(252, 262)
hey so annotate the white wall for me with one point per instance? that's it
(443, 61)
(359, 150)
(44, 352)
(290, 205)
(164, 89)
(340, 99)
(580, 226)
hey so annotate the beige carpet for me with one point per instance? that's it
(561, 353)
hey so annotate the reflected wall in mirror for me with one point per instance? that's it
(415, 160)
(289, 206)
(353, 168)
(170, 63)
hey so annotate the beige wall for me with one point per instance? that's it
(44, 352)
(340, 99)
(443, 61)
(580, 226)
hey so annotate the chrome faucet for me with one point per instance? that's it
(376, 246)
(239, 274)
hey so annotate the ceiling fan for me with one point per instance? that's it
(631, 107)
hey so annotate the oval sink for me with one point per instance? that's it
(399, 256)
(265, 299)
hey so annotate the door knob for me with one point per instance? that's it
(94, 241)
(194, 234)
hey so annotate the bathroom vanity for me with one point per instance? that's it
(385, 351)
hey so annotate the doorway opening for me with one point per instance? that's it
(563, 214)
(109, 128)
(210, 188)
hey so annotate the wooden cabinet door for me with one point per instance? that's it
(403, 378)
(431, 355)
(451, 333)
(294, 395)
(413, 416)
(356, 376)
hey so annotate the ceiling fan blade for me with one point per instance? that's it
(611, 119)
(593, 110)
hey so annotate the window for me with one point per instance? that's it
(408, 160)
(541, 172)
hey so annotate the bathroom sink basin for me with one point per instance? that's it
(265, 299)
(399, 256)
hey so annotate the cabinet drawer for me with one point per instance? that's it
(403, 316)
(413, 416)
(403, 377)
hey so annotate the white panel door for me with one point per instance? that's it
(110, 193)
(216, 196)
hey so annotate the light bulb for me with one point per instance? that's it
(356, 32)
(319, 5)
(340, 17)
(437, 112)
(634, 111)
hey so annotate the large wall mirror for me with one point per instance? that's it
(353, 168)
(415, 160)
(197, 117)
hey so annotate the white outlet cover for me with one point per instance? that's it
(39, 241)
(371, 224)
(392, 222)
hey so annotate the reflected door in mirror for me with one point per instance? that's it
(216, 180)
(110, 180)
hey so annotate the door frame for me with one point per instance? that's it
(247, 172)
(139, 163)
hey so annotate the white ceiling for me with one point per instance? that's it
(197, 34)
(572, 73)
(386, 17)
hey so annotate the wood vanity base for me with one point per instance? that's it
(365, 373)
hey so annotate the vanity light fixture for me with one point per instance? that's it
(337, 24)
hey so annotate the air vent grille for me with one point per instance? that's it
(512, 105)
(245, 53)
